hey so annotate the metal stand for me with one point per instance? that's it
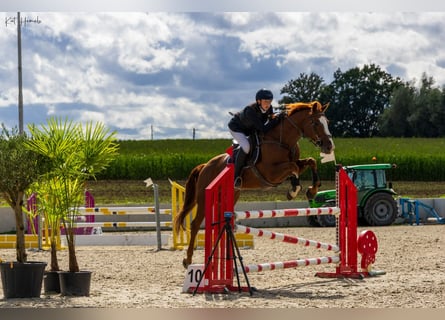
(231, 244)
(148, 183)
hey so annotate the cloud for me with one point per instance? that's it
(164, 74)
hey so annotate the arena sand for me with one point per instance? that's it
(413, 258)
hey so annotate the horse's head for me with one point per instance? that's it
(314, 125)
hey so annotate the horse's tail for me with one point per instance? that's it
(189, 198)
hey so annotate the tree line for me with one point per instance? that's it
(368, 102)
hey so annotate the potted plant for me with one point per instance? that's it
(19, 168)
(47, 193)
(77, 153)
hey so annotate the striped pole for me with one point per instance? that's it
(289, 264)
(219, 200)
(286, 213)
(285, 238)
(124, 224)
(121, 210)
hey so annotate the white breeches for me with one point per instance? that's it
(242, 140)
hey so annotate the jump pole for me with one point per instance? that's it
(286, 238)
(219, 199)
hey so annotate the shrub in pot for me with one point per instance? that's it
(77, 153)
(19, 168)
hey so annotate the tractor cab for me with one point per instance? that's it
(368, 177)
(376, 198)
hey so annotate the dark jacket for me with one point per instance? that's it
(251, 119)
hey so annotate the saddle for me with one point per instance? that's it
(255, 150)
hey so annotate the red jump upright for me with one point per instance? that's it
(219, 255)
(219, 275)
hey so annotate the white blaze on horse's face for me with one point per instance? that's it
(326, 146)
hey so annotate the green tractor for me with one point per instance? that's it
(377, 205)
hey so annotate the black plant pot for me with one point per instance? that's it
(75, 283)
(22, 280)
(51, 282)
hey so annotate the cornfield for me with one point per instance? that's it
(418, 159)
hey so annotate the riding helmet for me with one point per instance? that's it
(264, 94)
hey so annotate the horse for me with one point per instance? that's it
(279, 160)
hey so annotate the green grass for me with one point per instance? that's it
(128, 192)
(345, 147)
(418, 159)
(206, 147)
(420, 169)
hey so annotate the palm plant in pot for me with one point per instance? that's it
(77, 154)
(19, 168)
(48, 206)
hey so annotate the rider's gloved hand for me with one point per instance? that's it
(282, 115)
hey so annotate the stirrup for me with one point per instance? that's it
(238, 182)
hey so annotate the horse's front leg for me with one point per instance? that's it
(287, 170)
(295, 187)
(303, 164)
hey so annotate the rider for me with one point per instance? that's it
(254, 117)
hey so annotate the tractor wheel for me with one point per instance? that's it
(326, 220)
(380, 210)
(312, 221)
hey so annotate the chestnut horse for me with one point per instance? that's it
(279, 159)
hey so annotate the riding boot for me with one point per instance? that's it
(239, 164)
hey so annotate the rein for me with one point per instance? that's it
(283, 145)
(292, 149)
(261, 178)
(316, 143)
(286, 146)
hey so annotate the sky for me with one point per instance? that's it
(166, 74)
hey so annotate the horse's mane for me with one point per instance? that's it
(297, 106)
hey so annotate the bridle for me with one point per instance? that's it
(293, 148)
(317, 141)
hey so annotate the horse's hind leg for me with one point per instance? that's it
(194, 229)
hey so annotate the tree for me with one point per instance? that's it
(19, 168)
(305, 88)
(415, 111)
(428, 115)
(358, 98)
(440, 118)
(394, 120)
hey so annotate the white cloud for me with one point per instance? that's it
(179, 71)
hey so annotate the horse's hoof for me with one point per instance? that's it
(185, 263)
(309, 194)
(292, 194)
